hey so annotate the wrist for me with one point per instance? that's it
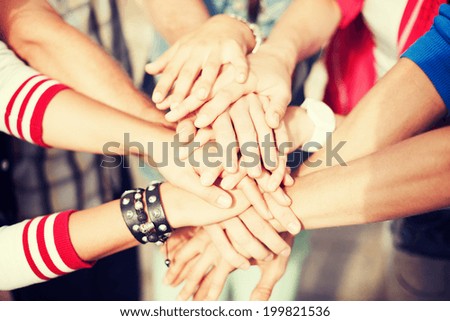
(249, 34)
(299, 126)
(172, 205)
(282, 57)
(287, 59)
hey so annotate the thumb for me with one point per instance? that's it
(277, 108)
(157, 66)
(269, 278)
(212, 194)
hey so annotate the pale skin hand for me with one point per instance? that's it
(242, 238)
(268, 77)
(198, 58)
(205, 271)
(243, 128)
(299, 33)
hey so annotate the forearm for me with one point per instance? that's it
(173, 20)
(408, 178)
(92, 242)
(178, 204)
(401, 104)
(75, 122)
(304, 28)
(62, 52)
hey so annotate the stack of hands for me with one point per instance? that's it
(230, 103)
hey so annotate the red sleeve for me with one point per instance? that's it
(350, 10)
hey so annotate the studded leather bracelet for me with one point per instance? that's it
(145, 226)
(156, 211)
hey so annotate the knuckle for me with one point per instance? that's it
(232, 44)
(263, 292)
(188, 72)
(212, 64)
(260, 228)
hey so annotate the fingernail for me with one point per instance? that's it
(258, 170)
(241, 77)
(170, 116)
(272, 186)
(173, 105)
(179, 298)
(184, 136)
(182, 133)
(202, 93)
(166, 280)
(286, 198)
(269, 258)
(245, 266)
(276, 119)
(224, 201)
(293, 228)
(157, 97)
(207, 179)
(201, 121)
(286, 252)
(226, 184)
(289, 181)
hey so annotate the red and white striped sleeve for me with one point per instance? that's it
(24, 97)
(37, 250)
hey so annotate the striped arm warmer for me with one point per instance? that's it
(37, 250)
(24, 97)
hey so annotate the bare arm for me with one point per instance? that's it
(389, 184)
(90, 244)
(304, 28)
(402, 104)
(173, 20)
(40, 37)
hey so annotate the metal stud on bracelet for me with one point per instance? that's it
(136, 218)
(156, 212)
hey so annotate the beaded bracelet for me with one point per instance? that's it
(254, 28)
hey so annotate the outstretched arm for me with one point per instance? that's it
(60, 51)
(389, 184)
(49, 246)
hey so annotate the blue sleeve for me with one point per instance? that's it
(431, 53)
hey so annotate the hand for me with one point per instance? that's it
(254, 190)
(268, 77)
(201, 54)
(271, 273)
(178, 203)
(181, 173)
(244, 123)
(205, 279)
(248, 236)
(184, 255)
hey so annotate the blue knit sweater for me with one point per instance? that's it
(432, 53)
